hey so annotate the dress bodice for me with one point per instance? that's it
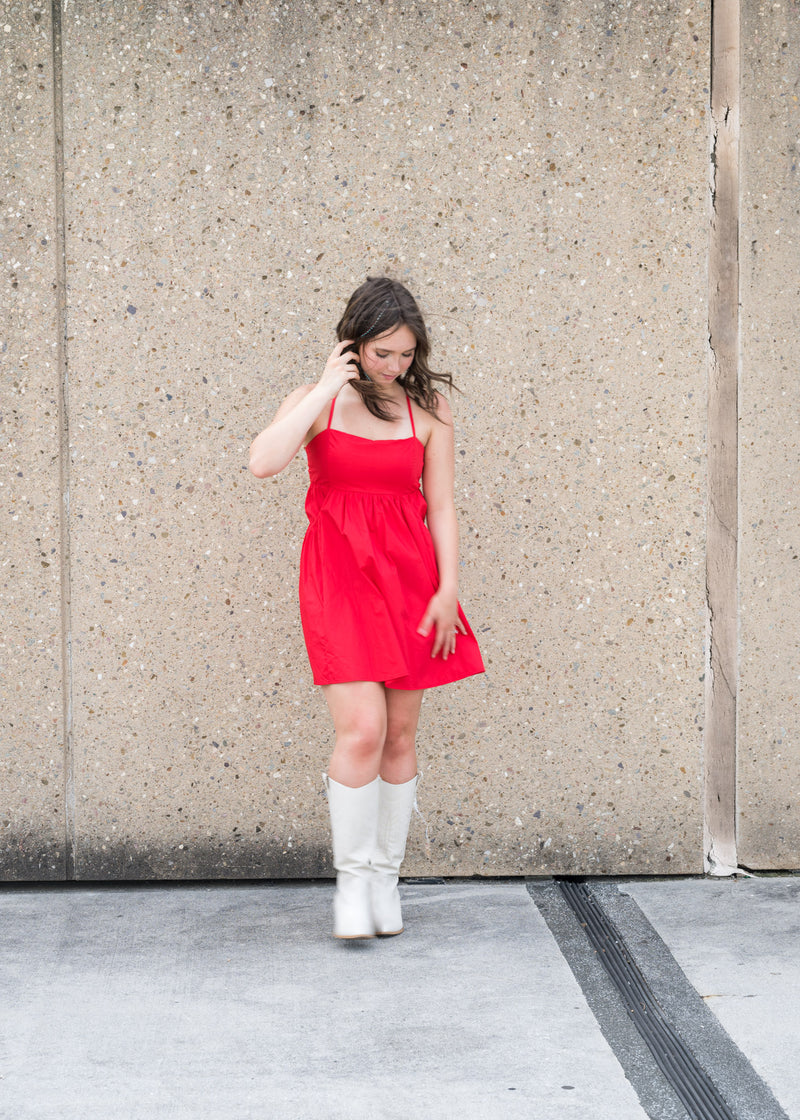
(343, 461)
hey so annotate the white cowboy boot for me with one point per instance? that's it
(354, 820)
(395, 805)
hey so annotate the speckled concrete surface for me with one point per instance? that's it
(539, 179)
(200, 1003)
(768, 766)
(32, 752)
(751, 982)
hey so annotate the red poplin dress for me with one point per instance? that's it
(368, 567)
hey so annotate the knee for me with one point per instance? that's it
(400, 740)
(362, 738)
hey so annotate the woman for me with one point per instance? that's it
(378, 585)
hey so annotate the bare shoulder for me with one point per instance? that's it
(435, 429)
(443, 409)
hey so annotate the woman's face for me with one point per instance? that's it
(388, 356)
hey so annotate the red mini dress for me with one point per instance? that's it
(368, 566)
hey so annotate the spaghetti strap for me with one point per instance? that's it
(411, 418)
(330, 414)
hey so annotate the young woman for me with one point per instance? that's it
(378, 578)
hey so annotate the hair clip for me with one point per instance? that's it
(381, 313)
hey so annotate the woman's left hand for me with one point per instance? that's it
(442, 613)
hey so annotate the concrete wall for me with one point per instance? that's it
(32, 775)
(769, 446)
(538, 174)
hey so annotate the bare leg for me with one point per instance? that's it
(358, 709)
(399, 756)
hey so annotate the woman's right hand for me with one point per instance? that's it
(339, 368)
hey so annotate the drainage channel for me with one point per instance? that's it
(680, 1067)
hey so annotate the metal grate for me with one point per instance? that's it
(689, 1080)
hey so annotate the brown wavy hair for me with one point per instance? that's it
(378, 306)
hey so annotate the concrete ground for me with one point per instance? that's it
(206, 1001)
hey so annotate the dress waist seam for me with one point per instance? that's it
(371, 491)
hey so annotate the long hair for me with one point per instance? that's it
(378, 306)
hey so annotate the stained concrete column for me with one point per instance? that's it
(768, 777)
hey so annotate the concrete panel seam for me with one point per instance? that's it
(64, 441)
(722, 543)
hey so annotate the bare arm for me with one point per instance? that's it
(277, 445)
(437, 484)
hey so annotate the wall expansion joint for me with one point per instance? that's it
(723, 435)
